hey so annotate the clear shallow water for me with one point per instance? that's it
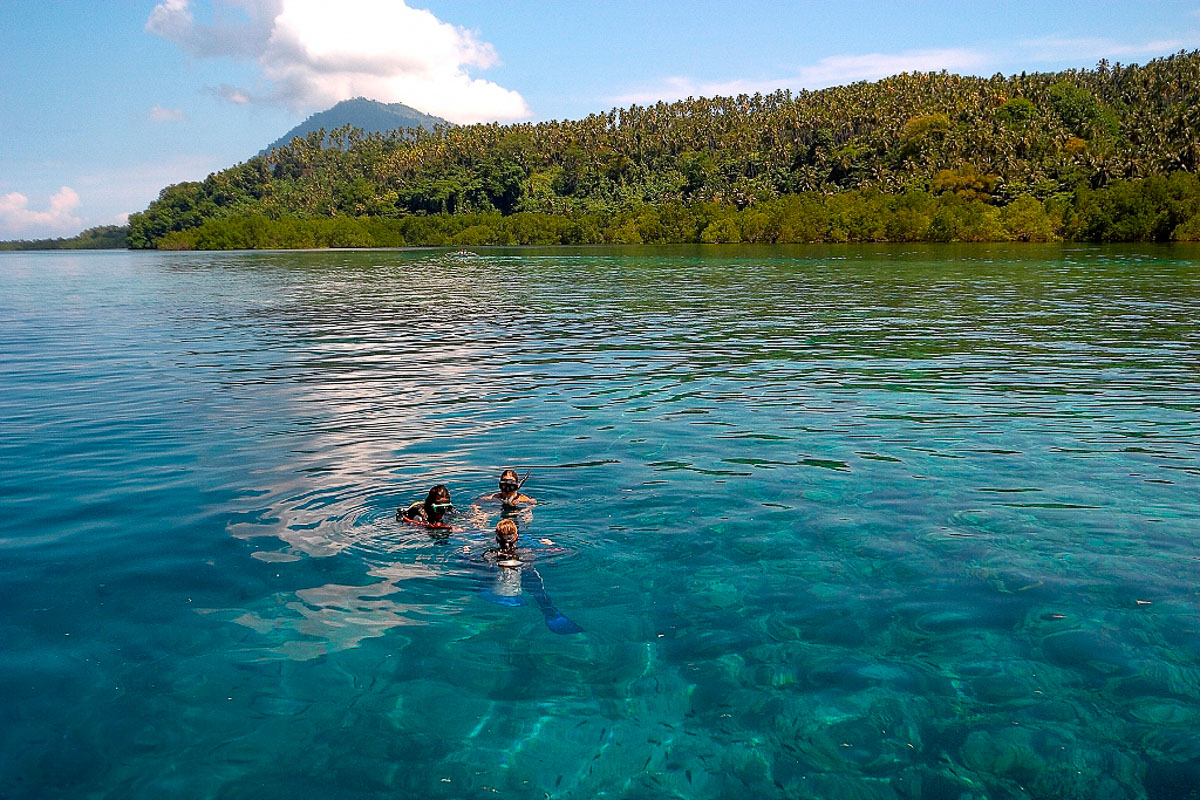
(854, 523)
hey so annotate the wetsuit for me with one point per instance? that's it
(506, 585)
(418, 513)
(511, 579)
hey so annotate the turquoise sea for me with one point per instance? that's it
(871, 523)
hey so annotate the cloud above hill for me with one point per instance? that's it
(312, 53)
(829, 71)
(844, 69)
(18, 220)
(1091, 49)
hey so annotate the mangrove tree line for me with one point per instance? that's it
(1109, 153)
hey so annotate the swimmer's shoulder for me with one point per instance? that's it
(414, 511)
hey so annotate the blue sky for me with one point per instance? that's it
(104, 103)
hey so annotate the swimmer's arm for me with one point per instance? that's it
(520, 502)
(477, 516)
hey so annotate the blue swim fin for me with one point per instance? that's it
(531, 581)
(560, 624)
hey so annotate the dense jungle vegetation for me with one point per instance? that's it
(1107, 154)
(103, 237)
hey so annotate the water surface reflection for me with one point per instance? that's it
(854, 522)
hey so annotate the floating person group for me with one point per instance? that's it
(515, 570)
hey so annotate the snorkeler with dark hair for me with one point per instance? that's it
(431, 511)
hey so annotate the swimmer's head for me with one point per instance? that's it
(509, 481)
(506, 534)
(438, 500)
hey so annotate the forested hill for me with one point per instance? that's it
(369, 116)
(102, 237)
(909, 147)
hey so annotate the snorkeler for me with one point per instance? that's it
(505, 553)
(510, 496)
(430, 512)
(505, 589)
(516, 573)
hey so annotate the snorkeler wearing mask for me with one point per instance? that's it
(516, 574)
(505, 553)
(510, 496)
(430, 512)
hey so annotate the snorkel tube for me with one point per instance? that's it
(504, 504)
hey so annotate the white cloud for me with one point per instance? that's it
(837, 70)
(161, 114)
(1087, 51)
(244, 36)
(232, 94)
(18, 220)
(831, 71)
(313, 53)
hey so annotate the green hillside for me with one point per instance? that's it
(368, 116)
(1105, 154)
(102, 237)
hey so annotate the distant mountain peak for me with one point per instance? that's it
(371, 116)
